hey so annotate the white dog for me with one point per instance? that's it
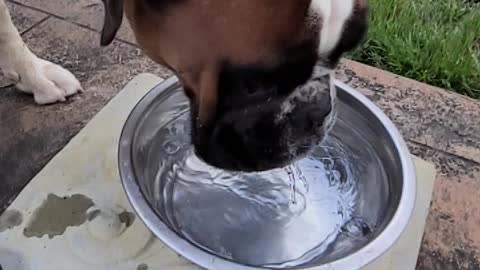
(49, 83)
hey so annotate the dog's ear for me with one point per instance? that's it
(112, 21)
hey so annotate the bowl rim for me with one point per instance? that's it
(203, 258)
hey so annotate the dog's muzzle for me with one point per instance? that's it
(273, 133)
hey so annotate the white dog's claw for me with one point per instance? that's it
(62, 78)
(53, 96)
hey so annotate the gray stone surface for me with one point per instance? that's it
(424, 114)
(24, 18)
(88, 13)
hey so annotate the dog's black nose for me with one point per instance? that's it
(242, 140)
(257, 138)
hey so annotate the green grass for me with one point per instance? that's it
(432, 41)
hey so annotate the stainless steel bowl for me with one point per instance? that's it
(386, 185)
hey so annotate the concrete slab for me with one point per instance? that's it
(452, 235)
(88, 13)
(87, 167)
(403, 255)
(31, 134)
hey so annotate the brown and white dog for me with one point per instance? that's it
(257, 72)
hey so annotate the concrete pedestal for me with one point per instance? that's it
(74, 214)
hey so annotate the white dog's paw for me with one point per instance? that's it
(62, 78)
(48, 82)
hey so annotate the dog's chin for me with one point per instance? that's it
(252, 157)
(275, 146)
(267, 134)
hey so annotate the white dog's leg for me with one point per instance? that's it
(48, 82)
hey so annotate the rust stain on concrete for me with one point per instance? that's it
(56, 214)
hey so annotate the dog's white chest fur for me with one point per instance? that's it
(333, 15)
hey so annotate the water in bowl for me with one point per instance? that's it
(278, 219)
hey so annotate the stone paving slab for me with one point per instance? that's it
(424, 114)
(24, 18)
(32, 134)
(87, 13)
